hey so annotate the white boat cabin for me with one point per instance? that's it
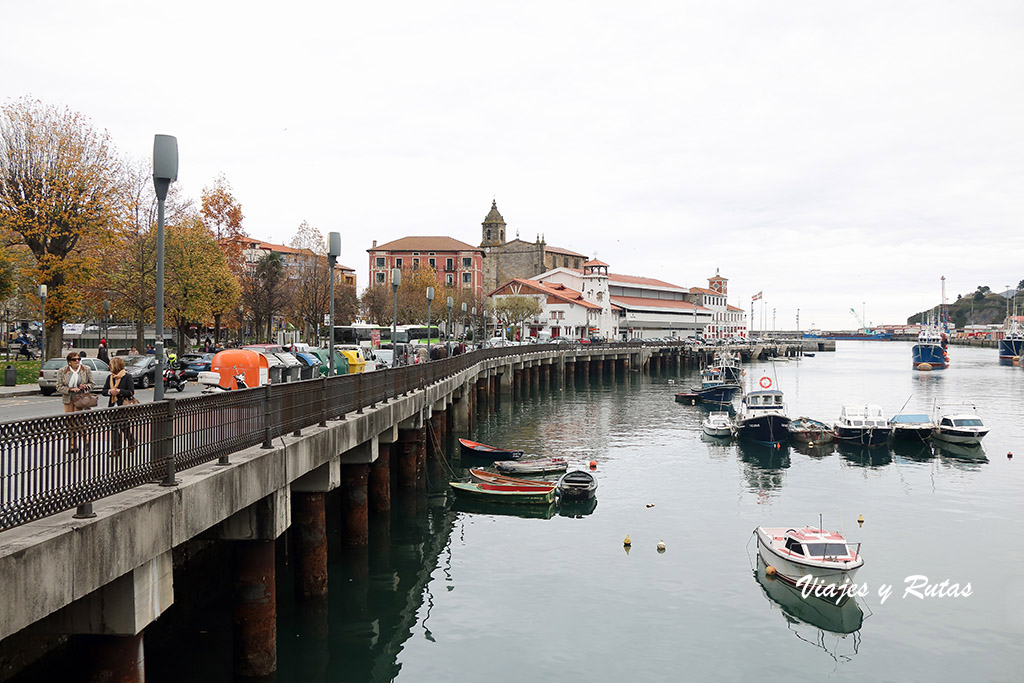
(865, 416)
(764, 400)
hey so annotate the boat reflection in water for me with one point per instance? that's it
(816, 450)
(913, 450)
(968, 455)
(833, 628)
(763, 464)
(484, 507)
(864, 456)
(576, 509)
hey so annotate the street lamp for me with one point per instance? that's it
(475, 340)
(106, 322)
(448, 327)
(42, 336)
(165, 171)
(396, 280)
(463, 321)
(333, 251)
(7, 329)
(430, 300)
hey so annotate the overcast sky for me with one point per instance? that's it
(832, 155)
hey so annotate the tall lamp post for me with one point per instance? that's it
(42, 336)
(448, 327)
(333, 251)
(106, 322)
(476, 341)
(396, 281)
(165, 171)
(7, 328)
(430, 300)
(463, 321)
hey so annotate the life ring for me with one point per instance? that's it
(766, 382)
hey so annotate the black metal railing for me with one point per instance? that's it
(52, 464)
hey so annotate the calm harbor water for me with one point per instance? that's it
(452, 594)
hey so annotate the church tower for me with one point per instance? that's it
(493, 228)
(719, 284)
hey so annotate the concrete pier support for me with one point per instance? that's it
(461, 415)
(584, 368)
(534, 379)
(481, 395)
(505, 382)
(611, 368)
(379, 484)
(255, 609)
(310, 535)
(569, 374)
(355, 523)
(545, 376)
(598, 367)
(408, 454)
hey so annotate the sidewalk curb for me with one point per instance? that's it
(15, 392)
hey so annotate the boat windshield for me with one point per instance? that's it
(826, 549)
(970, 422)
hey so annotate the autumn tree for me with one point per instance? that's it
(58, 189)
(516, 309)
(310, 298)
(264, 293)
(376, 304)
(197, 277)
(222, 215)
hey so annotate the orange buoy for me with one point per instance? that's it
(1009, 455)
(769, 571)
(924, 366)
(593, 464)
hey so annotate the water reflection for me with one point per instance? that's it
(816, 450)
(863, 456)
(964, 456)
(822, 623)
(577, 509)
(483, 507)
(763, 464)
(913, 449)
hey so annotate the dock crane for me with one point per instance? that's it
(863, 328)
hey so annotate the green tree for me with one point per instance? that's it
(59, 194)
(516, 309)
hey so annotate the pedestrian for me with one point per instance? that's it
(134, 351)
(150, 349)
(120, 387)
(25, 344)
(103, 354)
(73, 380)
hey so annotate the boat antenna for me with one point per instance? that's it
(906, 402)
(820, 527)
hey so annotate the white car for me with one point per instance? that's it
(48, 374)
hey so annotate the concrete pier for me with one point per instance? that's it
(310, 536)
(255, 609)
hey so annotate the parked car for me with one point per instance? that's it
(142, 370)
(197, 365)
(48, 374)
(597, 339)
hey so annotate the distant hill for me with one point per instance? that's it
(968, 310)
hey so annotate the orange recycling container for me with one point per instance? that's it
(251, 364)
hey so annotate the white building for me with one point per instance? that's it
(565, 311)
(727, 321)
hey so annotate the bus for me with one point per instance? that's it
(362, 334)
(417, 334)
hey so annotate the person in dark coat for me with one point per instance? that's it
(103, 354)
(120, 387)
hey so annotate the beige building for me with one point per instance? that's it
(518, 259)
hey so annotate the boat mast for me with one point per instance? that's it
(945, 311)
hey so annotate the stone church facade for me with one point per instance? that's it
(518, 259)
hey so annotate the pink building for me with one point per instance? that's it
(457, 264)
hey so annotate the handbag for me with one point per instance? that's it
(130, 401)
(84, 400)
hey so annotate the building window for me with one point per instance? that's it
(415, 263)
(467, 278)
(432, 262)
(488, 234)
(467, 262)
(379, 278)
(565, 261)
(449, 279)
(415, 253)
(398, 263)
(449, 264)
(380, 261)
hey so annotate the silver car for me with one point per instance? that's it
(48, 374)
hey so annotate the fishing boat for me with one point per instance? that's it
(810, 431)
(495, 478)
(482, 450)
(577, 486)
(532, 466)
(931, 349)
(959, 424)
(762, 416)
(717, 424)
(715, 387)
(729, 365)
(795, 553)
(506, 493)
(911, 427)
(1012, 343)
(863, 424)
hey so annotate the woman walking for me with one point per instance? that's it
(73, 380)
(120, 387)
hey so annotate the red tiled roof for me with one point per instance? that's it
(635, 280)
(645, 302)
(557, 290)
(595, 262)
(704, 290)
(734, 308)
(250, 243)
(425, 243)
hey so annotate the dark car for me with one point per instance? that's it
(201, 364)
(597, 339)
(142, 369)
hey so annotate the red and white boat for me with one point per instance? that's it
(795, 553)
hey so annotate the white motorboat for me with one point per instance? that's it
(795, 553)
(717, 424)
(959, 424)
(863, 424)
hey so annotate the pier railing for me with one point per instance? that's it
(52, 464)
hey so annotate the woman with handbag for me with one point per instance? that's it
(120, 387)
(74, 383)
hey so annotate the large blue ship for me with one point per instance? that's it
(1012, 343)
(932, 348)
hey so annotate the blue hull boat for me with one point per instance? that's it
(932, 354)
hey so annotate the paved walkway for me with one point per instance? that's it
(20, 390)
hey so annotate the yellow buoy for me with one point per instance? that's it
(661, 546)
(925, 367)
(627, 541)
(860, 520)
(769, 571)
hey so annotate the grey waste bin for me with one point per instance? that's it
(10, 376)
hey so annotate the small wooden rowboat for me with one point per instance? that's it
(576, 486)
(482, 450)
(532, 466)
(810, 431)
(495, 478)
(506, 493)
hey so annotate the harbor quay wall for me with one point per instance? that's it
(111, 575)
